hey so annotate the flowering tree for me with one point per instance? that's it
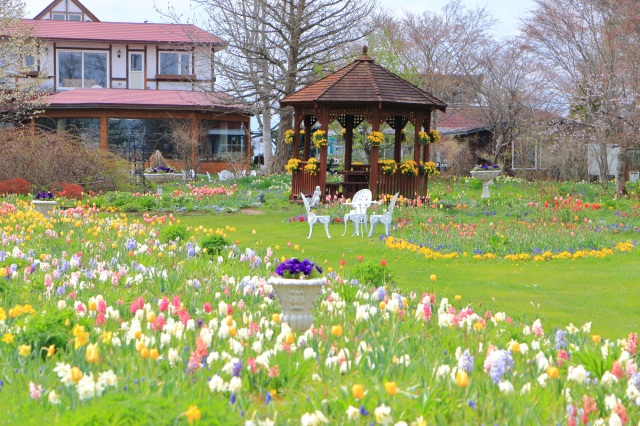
(591, 49)
(20, 56)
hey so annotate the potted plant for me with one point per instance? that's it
(293, 165)
(312, 166)
(44, 203)
(428, 168)
(486, 173)
(375, 138)
(409, 168)
(297, 285)
(160, 175)
(388, 167)
(319, 138)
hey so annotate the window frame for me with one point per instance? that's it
(82, 52)
(181, 73)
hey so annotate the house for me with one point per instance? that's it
(127, 87)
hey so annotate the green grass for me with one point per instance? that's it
(603, 291)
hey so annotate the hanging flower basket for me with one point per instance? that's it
(434, 136)
(288, 136)
(319, 138)
(375, 138)
(428, 168)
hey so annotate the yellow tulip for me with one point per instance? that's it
(289, 338)
(76, 374)
(433, 277)
(336, 330)
(553, 372)
(144, 353)
(357, 391)
(92, 353)
(275, 317)
(154, 354)
(462, 378)
(391, 388)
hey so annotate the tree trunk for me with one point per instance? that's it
(621, 178)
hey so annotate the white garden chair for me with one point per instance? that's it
(312, 218)
(386, 218)
(358, 215)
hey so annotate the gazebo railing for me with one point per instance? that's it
(303, 181)
(408, 186)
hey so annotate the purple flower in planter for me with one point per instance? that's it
(295, 268)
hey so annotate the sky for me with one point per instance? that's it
(507, 12)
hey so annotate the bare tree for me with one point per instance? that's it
(276, 46)
(593, 48)
(20, 56)
(187, 141)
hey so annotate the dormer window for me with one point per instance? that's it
(58, 16)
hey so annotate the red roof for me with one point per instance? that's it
(143, 99)
(363, 81)
(120, 32)
(460, 121)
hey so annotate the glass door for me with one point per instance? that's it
(136, 70)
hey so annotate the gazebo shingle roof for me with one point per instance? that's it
(363, 81)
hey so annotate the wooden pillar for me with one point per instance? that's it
(375, 155)
(427, 126)
(348, 142)
(324, 117)
(104, 131)
(397, 145)
(307, 137)
(297, 119)
(417, 123)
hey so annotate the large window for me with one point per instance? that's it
(82, 69)
(137, 139)
(87, 129)
(223, 141)
(175, 63)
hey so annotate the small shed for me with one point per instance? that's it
(362, 90)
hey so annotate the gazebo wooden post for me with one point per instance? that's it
(307, 137)
(397, 145)
(324, 125)
(297, 119)
(427, 126)
(348, 142)
(375, 155)
(416, 144)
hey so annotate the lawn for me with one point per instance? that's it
(144, 309)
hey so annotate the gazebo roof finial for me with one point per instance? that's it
(365, 56)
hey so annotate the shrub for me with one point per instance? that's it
(43, 158)
(173, 233)
(68, 190)
(372, 274)
(215, 244)
(15, 186)
(475, 184)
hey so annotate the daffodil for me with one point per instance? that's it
(8, 338)
(25, 350)
(193, 413)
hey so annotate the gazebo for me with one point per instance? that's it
(362, 90)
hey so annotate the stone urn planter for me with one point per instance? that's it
(486, 177)
(297, 299)
(159, 179)
(45, 207)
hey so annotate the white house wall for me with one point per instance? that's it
(118, 72)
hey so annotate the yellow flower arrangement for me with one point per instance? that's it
(293, 165)
(388, 167)
(375, 138)
(288, 136)
(319, 138)
(428, 168)
(424, 138)
(409, 168)
(312, 166)
(434, 136)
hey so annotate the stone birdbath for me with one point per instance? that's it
(486, 175)
(159, 176)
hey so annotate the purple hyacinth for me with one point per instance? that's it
(561, 339)
(502, 362)
(465, 362)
